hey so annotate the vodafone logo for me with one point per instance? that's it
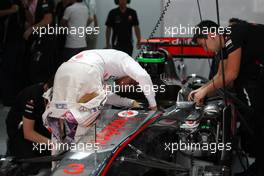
(128, 113)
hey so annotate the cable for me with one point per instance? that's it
(217, 12)
(221, 54)
(199, 9)
(165, 9)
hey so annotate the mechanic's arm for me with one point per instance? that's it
(138, 35)
(107, 36)
(13, 9)
(30, 134)
(219, 76)
(219, 73)
(232, 67)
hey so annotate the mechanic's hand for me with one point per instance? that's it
(153, 108)
(197, 96)
(192, 93)
(136, 104)
(27, 33)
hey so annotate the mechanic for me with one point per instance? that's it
(121, 20)
(24, 122)
(243, 58)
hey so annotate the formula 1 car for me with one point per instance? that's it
(183, 139)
